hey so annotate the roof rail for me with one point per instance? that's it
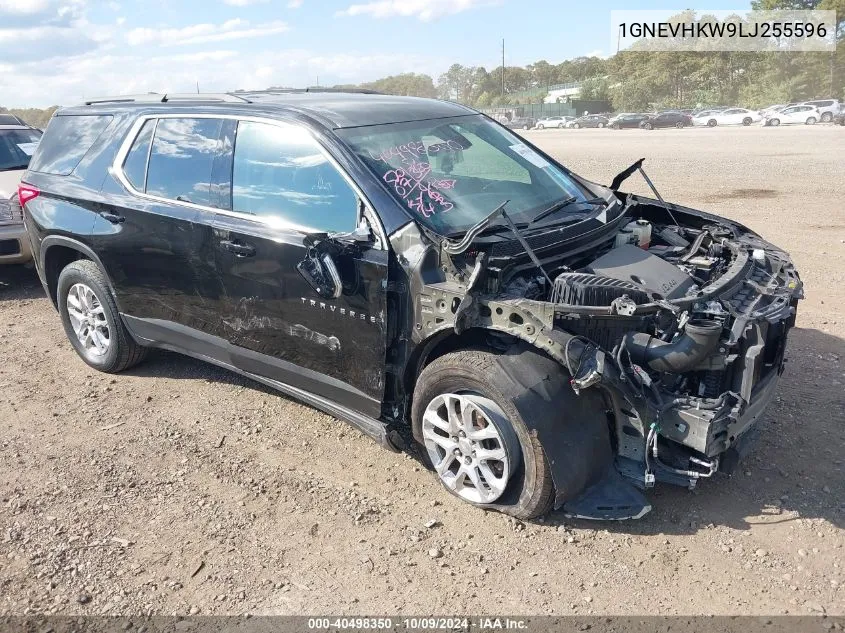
(155, 97)
(286, 91)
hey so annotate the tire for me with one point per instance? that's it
(480, 374)
(774, 122)
(827, 117)
(615, 126)
(712, 123)
(576, 125)
(560, 126)
(600, 125)
(649, 126)
(811, 120)
(540, 126)
(121, 351)
(679, 125)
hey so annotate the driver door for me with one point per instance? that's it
(284, 187)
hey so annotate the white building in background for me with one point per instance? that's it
(560, 92)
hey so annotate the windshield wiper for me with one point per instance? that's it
(562, 204)
(13, 168)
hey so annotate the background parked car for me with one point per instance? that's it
(666, 119)
(627, 120)
(792, 115)
(17, 143)
(554, 121)
(731, 116)
(839, 118)
(589, 120)
(828, 108)
(520, 123)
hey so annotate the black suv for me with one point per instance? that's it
(416, 269)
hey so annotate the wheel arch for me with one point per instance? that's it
(56, 253)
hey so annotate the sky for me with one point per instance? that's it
(64, 51)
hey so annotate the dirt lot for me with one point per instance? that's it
(180, 488)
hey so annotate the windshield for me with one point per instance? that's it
(16, 148)
(451, 173)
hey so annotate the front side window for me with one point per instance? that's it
(450, 173)
(281, 173)
(16, 148)
(181, 159)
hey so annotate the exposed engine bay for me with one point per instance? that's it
(679, 318)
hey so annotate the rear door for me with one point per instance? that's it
(150, 235)
(285, 187)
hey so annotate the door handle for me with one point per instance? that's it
(112, 217)
(238, 248)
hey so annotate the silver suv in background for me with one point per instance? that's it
(828, 108)
(17, 143)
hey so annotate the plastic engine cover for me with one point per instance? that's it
(631, 263)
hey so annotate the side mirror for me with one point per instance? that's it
(319, 270)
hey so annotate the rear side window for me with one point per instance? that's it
(181, 159)
(135, 165)
(66, 141)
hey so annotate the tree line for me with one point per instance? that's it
(633, 80)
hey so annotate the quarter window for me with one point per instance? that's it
(281, 172)
(67, 140)
(181, 159)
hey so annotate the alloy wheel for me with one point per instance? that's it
(471, 445)
(88, 320)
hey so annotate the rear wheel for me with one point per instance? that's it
(648, 126)
(475, 438)
(827, 117)
(811, 120)
(600, 125)
(679, 125)
(560, 126)
(91, 319)
(540, 126)
(711, 123)
(774, 122)
(576, 125)
(746, 121)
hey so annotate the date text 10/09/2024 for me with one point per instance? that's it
(418, 624)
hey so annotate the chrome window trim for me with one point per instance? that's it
(120, 158)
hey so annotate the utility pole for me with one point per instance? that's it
(503, 68)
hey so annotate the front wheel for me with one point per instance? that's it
(811, 120)
(711, 123)
(475, 438)
(679, 125)
(91, 319)
(774, 122)
(648, 126)
(540, 126)
(576, 125)
(746, 121)
(560, 126)
(827, 117)
(600, 125)
(526, 127)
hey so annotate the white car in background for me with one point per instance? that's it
(828, 108)
(731, 116)
(554, 122)
(805, 114)
(17, 143)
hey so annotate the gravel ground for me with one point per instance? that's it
(179, 488)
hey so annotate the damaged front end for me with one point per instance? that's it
(676, 318)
